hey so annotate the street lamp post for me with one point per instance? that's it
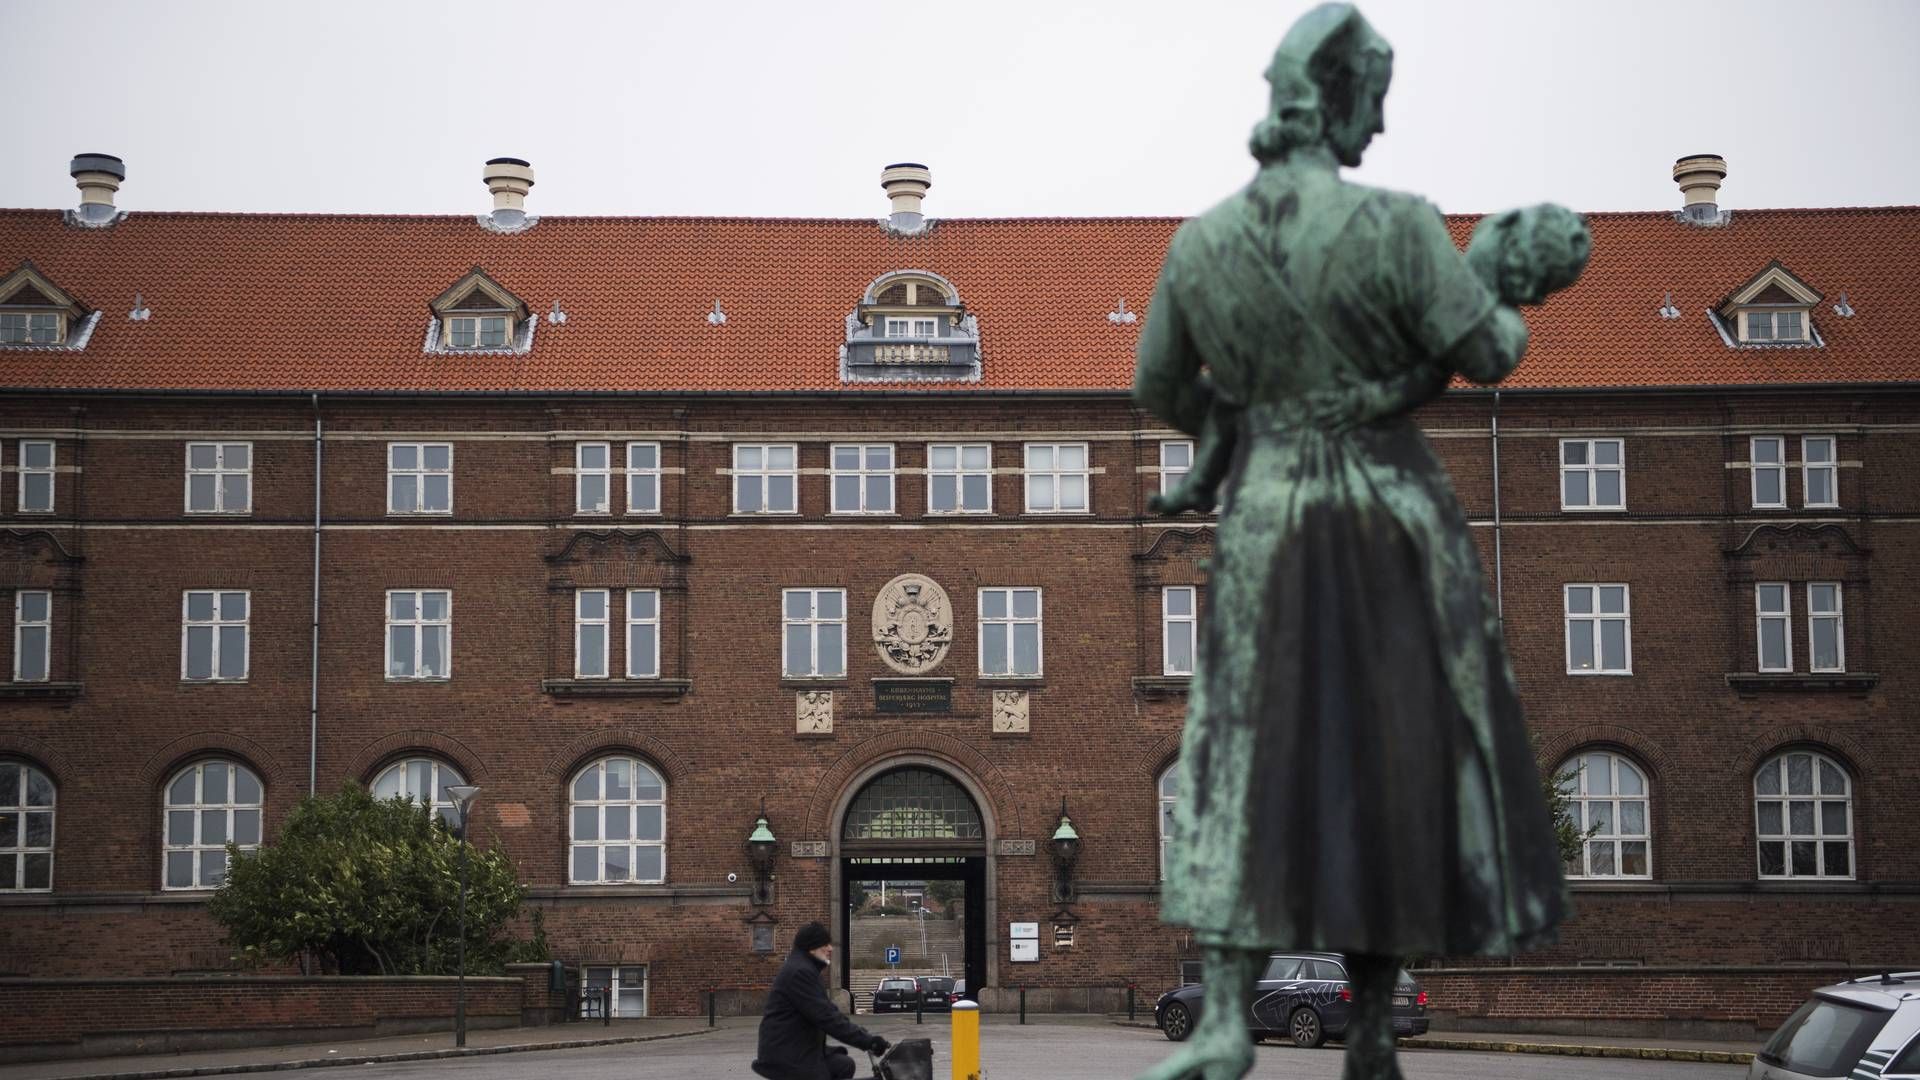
(463, 796)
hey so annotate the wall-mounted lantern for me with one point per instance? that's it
(761, 848)
(1066, 850)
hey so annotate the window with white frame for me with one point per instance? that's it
(1057, 478)
(643, 633)
(960, 478)
(1775, 326)
(1774, 625)
(1768, 463)
(1606, 799)
(592, 477)
(911, 327)
(618, 830)
(424, 781)
(1177, 629)
(208, 805)
(30, 328)
(1826, 632)
(814, 633)
(1599, 630)
(1169, 797)
(861, 478)
(477, 332)
(213, 636)
(764, 478)
(643, 478)
(1819, 478)
(590, 633)
(219, 478)
(1176, 460)
(26, 828)
(36, 476)
(419, 478)
(419, 633)
(622, 990)
(1010, 632)
(32, 635)
(1593, 474)
(1803, 817)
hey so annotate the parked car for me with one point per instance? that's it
(937, 993)
(895, 994)
(1866, 1027)
(1302, 996)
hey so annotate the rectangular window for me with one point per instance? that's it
(219, 478)
(1759, 326)
(1057, 478)
(590, 633)
(911, 328)
(1010, 632)
(592, 477)
(213, 636)
(485, 332)
(1818, 477)
(621, 991)
(1826, 634)
(419, 633)
(32, 637)
(1176, 460)
(36, 476)
(861, 478)
(1177, 629)
(419, 478)
(643, 633)
(764, 478)
(643, 478)
(13, 328)
(960, 478)
(1593, 474)
(1774, 620)
(1599, 630)
(30, 328)
(815, 632)
(1767, 457)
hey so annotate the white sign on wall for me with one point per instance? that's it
(1025, 950)
(1020, 930)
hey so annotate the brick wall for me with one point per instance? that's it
(1735, 1003)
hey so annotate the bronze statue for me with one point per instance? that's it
(1355, 775)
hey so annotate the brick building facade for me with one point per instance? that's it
(1751, 766)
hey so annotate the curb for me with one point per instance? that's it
(380, 1059)
(1489, 1046)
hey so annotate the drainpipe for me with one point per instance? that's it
(313, 678)
(1499, 580)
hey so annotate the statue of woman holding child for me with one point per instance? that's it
(1355, 775)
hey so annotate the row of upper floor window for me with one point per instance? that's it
(617, 632)
(1803, 818)
(861, 477)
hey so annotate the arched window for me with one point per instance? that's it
(208, 804)
(619, 828)
(913, 804)
(26, 828)
(1607, 794)
(421, 780)
(1803, 816)
(1169, 795)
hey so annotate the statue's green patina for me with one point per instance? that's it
(1355, 774)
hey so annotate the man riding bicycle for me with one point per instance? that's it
(799, 1017)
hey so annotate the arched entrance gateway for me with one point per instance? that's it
(913, 882)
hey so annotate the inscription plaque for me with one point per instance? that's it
(1016, 847)
(912, 696)
(809, 849)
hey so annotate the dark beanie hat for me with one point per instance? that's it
(811, 936)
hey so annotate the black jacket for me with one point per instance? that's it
(797, 1021)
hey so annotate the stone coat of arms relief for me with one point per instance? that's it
(813, 712)
(912, 624)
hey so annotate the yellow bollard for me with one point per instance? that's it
(966, 1040)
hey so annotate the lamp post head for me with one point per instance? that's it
(462, 796)
(761, 843)
(1066, 839)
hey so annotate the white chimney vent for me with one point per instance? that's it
(508, 179)
(1699, 177)
(906, 183)
(98, 176)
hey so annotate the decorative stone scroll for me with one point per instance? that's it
(809, 849)
(1016, 847)
(1009, 712)
(813, 712)
(912, 624)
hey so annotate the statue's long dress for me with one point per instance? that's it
(1355, 773)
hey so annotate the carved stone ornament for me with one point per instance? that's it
(912, 624)
(1009, 711)
(813, 712)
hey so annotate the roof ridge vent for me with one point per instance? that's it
(508, 179)
(1699, 177)
(906, 184)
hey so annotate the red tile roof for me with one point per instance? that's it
(321, 302)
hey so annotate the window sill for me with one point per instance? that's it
(633, 891)
(1592, 672)
(814, 682)
(1853, 681)
(660, 688)
(1593, 509)
(743, 514)
(1162, 685)
(391, 681)
(213, 682)
(218, 513)
(420, 513)
(1059, 513)
(1002, 682)
(49, 691)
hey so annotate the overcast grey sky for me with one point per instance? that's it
(1028, 108)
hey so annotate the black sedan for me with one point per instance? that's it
(1303, 996)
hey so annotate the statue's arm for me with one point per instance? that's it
(1166, 375)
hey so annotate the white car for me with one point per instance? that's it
(1867, 1029)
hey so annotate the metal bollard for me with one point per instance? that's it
(966, 1040)
(1023, 1005)
(713, 999)
(919, 1005)
(1130, 989)
(606, 1006)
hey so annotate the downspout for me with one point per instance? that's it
(313, 678)
(1499, 577)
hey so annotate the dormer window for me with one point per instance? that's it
(910, 326)
(30, 328)
(35, 311)
(1773, 308)
(1776, 326)
(478, 314)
